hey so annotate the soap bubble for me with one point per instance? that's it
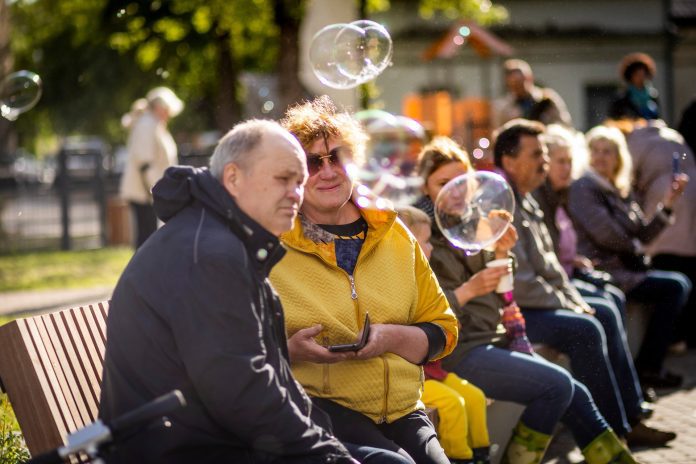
(19, 92)
(346, 55)
(373, 49)
(328, 50)
(390, 157)
(474, 210)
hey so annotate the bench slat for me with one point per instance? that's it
(51, 364)
(81, 387)
(87, 341)
(91, 378)
(51, 367)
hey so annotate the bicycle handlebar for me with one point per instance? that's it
(90, 438)
(147, 412)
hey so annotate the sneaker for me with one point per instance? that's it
(645, 436)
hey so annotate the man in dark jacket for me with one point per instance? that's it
(194, 310)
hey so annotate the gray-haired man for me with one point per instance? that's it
(194, 310)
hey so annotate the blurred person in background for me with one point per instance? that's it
(612, 231)
(493, 351)
(687, 124)
(638, 98)
(151, 150)
(659, 154)
(524, 99)
(592, 284)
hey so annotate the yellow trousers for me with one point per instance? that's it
(462, 410)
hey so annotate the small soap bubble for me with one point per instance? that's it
(19, 92)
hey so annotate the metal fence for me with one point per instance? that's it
(78, 209)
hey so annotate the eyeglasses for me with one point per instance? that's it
(316, 161)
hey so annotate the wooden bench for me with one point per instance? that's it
(51, 368)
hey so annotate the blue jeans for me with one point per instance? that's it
(599, 356)
(548, 391)
(613, 320)
(666, 292)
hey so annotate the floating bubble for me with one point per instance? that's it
(19, 92)
(346, 55)
(474, 210)
(390, 158)
(325, 56)
(376, 47)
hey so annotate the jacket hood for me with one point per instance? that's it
(181, 185)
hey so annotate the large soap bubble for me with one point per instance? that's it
(19, 92)
(346, 55)
(390, 158)
(474, 210)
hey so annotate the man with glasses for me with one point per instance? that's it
(344, 261)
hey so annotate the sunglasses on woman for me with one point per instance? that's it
(315, 161)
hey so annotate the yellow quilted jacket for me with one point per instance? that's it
(392, 281)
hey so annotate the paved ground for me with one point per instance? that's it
(675, 410)
(26, 302)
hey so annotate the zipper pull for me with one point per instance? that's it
(353, 292)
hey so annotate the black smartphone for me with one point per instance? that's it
(361, 342)
(676, 170)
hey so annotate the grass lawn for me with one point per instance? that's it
(47, 270)
(62, 269)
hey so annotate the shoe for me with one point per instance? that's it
(645, 412)
(646, 436)
(663, 380)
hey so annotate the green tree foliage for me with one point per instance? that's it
(96, 56)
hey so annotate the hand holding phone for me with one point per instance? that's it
(359, 343)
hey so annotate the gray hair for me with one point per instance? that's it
(235, 146)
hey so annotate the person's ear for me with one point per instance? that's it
(230, 178)
(509, 163)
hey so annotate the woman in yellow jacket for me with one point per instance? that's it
(344, 261)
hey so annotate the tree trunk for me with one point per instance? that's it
(290, 89)
(8, 139)
(227, 109)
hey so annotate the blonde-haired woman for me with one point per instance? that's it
(612, 229)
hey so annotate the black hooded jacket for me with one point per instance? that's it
(194, 310)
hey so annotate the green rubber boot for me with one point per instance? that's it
(607, 449)
(526, 446)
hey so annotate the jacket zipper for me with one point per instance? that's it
(353, 291)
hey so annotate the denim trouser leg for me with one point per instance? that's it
(583, 418)
(620, 355)
(582, 338)
(548, 391)
(667, 293)
(609, 292)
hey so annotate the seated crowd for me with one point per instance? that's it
(267, 269)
